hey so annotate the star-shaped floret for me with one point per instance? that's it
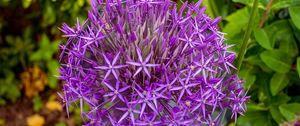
(115, 92)
(239, 98)
(92, 37)
(156, 94)
(189, 42)
(149, 2)
(226, 60)
(203, 66)
(202, 101)
(142, 64)
(179, 119)
(129, 110)
(149, 121)
(81, 97)
(111, 68)
(198, 31)
(145, 99)
(185, 85)
(178, 18)
(167, 85)
(212, 121)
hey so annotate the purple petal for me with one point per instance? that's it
(123, 117)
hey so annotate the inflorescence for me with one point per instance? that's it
(143, 62)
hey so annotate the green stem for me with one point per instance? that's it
(245, 41)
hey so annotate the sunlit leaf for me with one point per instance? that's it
(276, 60)
(236, 22)
(262, 38)
(279, 4)
(26, 3)
(295, 15)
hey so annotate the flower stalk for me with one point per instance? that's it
(246, 37)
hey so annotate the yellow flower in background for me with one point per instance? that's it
(53, 106)
(35, 120)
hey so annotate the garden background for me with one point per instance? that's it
(29, 46)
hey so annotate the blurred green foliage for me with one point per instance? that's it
(29, 36)
(271, 68)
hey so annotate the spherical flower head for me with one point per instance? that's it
(145, 62)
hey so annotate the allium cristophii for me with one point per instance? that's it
(145, 62)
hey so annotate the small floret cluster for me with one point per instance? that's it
(145, 62)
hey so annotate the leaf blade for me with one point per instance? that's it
(262, 38)
(294, 13)
(278, 82)
(276, 60)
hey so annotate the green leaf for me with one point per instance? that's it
(37, 103)
(280, 33)
(295, 15)
(275, 113)
(26, 3)
(52, 66)
(236, 41)
(290, 111)
(256, 107)
(255, 118)
(8, 87)
(263, 81)
(279, 99)
(262, 38)
(255, 60)
(246, 2)
(80, 2)
(276, 60)
(60, 124)
(296, 31)
(289, 45)
(261, 4)
(279, 4)
(236, 22)
(278, 82)
(52, 81)
(49, 15)
(46, 49)
(298, 66)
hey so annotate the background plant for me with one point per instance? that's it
(271, 65)
(29, 40)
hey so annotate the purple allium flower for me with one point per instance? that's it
(142, 62)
